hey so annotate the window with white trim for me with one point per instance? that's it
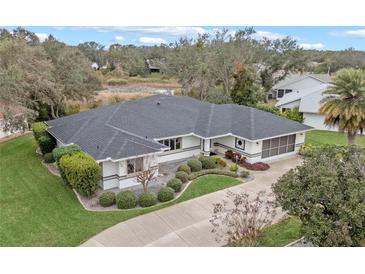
(134, 165)
(277, 146)
(240, 143)
(174, 143)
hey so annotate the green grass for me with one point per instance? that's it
(281, 234)
(36, 209)
(277, 235)
(207, 184)
(321, 137)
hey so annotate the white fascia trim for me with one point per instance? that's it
(127, 158)
(173, 137)
(285, 134)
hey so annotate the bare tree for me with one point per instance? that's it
(242, 222)
(144, 177)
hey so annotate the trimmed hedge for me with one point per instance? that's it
(182, 176)
(39, 129)
(165, 194)
(195, 165)
(207, 162)
(48, 158)
(147, 199)
(203, 172)
(175, 184)
(58, 152)
(184, 168)
(126, 199)
(107, 199)
(46, 144)
(81, 172)
(233, 167)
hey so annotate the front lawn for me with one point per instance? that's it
(37, 209)
(207, 184)
(281, 234)
(321, 137)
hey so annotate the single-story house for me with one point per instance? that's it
(131, 136)
(297, 83)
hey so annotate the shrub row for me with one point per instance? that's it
(307, 150)
(48, 158)
(175, 184)
(81, 171)
(182, 176)
(65, 150)
(45, 141)
(195, 165)
(184, 168)
(107, 199)
(207, 162)
(165, 194)
(39, 129)
(197, 174)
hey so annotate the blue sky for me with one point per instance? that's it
(321, 38)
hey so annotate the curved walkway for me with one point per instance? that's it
(186, 223)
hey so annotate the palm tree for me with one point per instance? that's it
(345, 104)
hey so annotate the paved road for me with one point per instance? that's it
(187, 223)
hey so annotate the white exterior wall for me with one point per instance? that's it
(190, 147)
(317, 121)
(291, 105)
(308, 82)
(253, 150)
(117, 173)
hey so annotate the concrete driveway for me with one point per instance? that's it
(187, 223)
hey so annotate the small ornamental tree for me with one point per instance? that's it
(82, 172)
(327, 193)
(242, 223)
(144, 177)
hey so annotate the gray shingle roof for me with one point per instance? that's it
(292, 78)
(129, 128)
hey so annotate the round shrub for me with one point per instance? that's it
(147, 199)
(46, 144)
(195, 165)
(58, 152)
(165, 194)
(184, 168)
(244, 174)
(175, 184)
(207, 162)
(182, 176)
(48, 158)
(82, 172)
(107, 199)
(222, 163)
(217, 159)
(126, 199)
(233, 167)
(39, 129)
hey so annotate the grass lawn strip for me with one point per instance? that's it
(37, 209)
(321, 137)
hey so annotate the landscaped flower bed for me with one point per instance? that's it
(255, 166)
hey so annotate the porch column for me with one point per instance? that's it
(206, 147)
